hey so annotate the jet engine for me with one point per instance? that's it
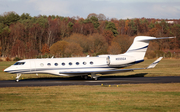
(119, 60)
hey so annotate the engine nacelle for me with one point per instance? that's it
(119, 60)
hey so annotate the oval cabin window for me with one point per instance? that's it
(91, 63)
(56, 64)
(41, 64)
(70, 63)
(84, 63)
(77, 63)
(49, 64)
(63, 64)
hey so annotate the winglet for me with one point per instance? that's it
(154, 63)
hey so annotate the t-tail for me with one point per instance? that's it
(139, 46)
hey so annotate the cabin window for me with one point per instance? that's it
(63, 64)
(77, 63)
(49, 64)
(41, 64)
(19, 63)
(56, 64)
(70, 63)
(91, 63)
(84, 63)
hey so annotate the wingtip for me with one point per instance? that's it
(166, 37)
(173, 37)
(154, 63)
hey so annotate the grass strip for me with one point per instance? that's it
(128, 97)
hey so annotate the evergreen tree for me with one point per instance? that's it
(111, 26)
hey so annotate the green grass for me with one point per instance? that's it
(167, 67)
(129, 97)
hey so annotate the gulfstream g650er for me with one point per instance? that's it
(84, 66)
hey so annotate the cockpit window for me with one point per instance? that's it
(19, 63)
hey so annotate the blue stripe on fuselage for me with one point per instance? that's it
(139, 48)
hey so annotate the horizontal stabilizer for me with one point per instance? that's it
(154, 63)
(159, 38)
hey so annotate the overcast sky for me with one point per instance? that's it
(120, 9)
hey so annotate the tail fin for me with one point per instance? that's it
(139, 46)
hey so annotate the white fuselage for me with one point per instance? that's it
(71, 66)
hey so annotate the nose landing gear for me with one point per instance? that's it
(18, 76)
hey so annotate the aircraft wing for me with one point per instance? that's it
(113, 70)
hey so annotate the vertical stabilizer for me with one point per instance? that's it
(139, 46)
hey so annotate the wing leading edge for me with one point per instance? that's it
(114, 70)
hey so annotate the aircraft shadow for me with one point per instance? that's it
(75, 78)
(125, 76)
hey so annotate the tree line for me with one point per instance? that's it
(24, 36)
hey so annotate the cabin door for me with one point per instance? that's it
(33, 66)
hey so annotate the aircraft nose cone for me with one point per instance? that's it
(6, 70)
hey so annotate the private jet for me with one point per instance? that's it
(84, 66)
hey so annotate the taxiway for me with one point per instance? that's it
(112, 80)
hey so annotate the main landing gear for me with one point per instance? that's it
(84, 77)
(94, 76)
(18, 76)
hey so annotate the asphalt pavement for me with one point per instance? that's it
(105, 80)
